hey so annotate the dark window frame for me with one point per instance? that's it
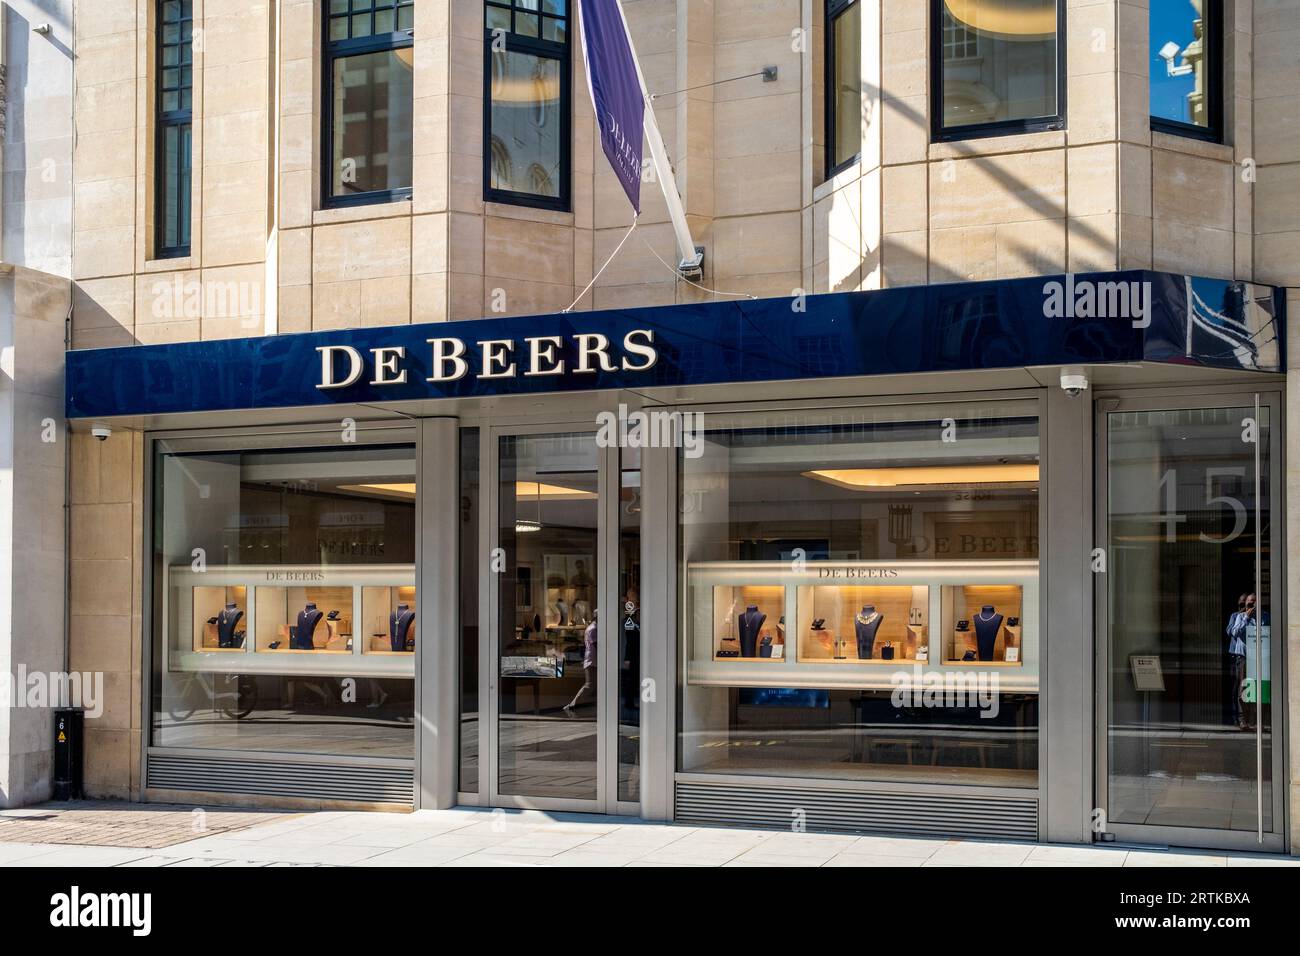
(177, 119)
(834, 9)
(1037, 124)
(548, 49)
(1213, 16)
(340, 49)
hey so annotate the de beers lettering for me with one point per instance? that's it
(450, 361)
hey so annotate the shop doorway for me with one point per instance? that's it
(562, 655)
(1189, 751)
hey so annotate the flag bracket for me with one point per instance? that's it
(692, 269)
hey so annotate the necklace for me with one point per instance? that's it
(869, 619)
(981, 616)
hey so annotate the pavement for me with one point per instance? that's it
(474, 837)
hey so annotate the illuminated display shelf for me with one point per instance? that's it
(920, 601)
(350, 646)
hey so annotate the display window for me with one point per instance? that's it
(986, 624)
(877, 624)
(285, 605)
(861, 595)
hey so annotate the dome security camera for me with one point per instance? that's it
(1074, 381)
(101, 432)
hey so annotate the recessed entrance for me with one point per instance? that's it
(563, 652)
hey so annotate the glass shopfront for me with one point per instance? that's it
(1191, 746)
(860, 596)
(555, 721)
(548, 646)
(286, 612)
(860, 609)
(799, 581)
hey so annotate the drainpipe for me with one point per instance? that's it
(271, 268)
(67, 525)
(4, 113)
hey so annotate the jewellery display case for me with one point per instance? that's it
(983, 625)
(388, 620)
(284, 626)
(872, 624)
(749, 622)
(859, 624)
(218, 619)
(329, 621)
(552, 623)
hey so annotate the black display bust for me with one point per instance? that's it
(308, 618)
(751, 624)
(865, 625)
(399, 626)
(988, 624)
(227, 621)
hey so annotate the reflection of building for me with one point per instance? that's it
(1191, 60)
(997, 62)
(525, 146)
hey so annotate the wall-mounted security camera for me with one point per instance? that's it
(1073, 380)
(1169, 52)
(102, 432)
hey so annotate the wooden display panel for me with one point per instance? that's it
(277, 611)
(729, 602)
(208, 603)
(904, 609)
(377, 606)
(964, 603)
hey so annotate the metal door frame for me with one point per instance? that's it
(1107, 403)
(607, 555)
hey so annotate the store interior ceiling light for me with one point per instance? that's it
(546, 492)
(869, 479)
(526, 90)
(1008, 19)
(526, 526)
(403, 490)
(523, 489)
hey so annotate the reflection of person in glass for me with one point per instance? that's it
(588, 689)
(629, 664)
(580, 579)
(1239, 625)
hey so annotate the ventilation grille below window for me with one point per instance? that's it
(281, 778)
(770, 807)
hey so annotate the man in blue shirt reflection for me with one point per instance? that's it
(1239, 624)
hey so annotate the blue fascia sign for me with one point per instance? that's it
(1082, 319)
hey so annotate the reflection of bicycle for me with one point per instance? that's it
(234, 695)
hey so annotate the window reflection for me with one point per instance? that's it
(1181, 61)
(372, 122)
(285, 601)
(1185, 694)
(845, 75)
(861, 598)
(526, 123)
(999, 61)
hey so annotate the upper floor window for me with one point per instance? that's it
(843, 84)
(369, 81)
(1186, 66)
(174, 92)
(997, 67)
(526, 152)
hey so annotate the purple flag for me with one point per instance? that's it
(616, 93)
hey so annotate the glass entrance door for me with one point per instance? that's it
(550, 534)
(1188, 754)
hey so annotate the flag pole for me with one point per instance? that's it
(692, 259)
